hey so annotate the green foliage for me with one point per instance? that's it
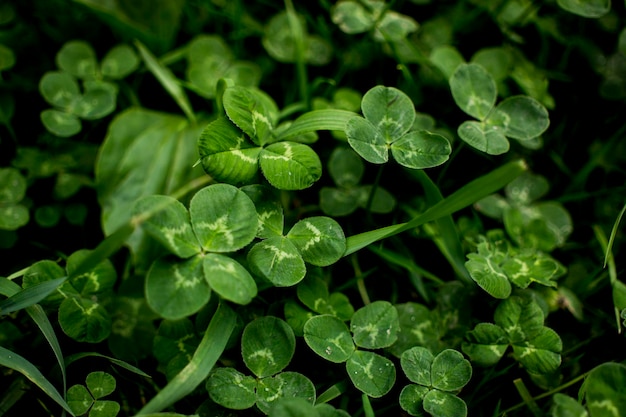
(87, 400)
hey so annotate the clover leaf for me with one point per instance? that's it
(436, 380)
(83, 399)
(329, 337)
(313, 293)
(13, 215)
(519, 117)
(174, 345)
(388, 115)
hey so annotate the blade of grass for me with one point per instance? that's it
(367, 406)
(327, 119)
(73, 358)
(29, 296)
(18, 363)
(209, 351)
(609, 246)
(527, 398)
(167, 80)
(618, 287)
(298, 32)
(331, 393)
(464, 197)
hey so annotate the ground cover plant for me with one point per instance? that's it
(325, 209)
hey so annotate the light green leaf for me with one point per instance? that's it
(100, 384)
(319, 239)
(371, 373)
(104, 409)
(486, 138)
(450, 371)
(526, 188)
(418, 327)
(325, 119)
(375, 325)
(59, 89)
(98, 100)
(30, 296)
(78, 59)
(84, 320)
(521, 117)
(267, 345)
(521, 318)
(223, 218)
(543, 226)
(439, 403)
(486, 344)
(532, 266)
(313, 293)
(353, 17)
(565, 406)
(390, 110)
(394, 27)
(177, 288)
(421, 149)
(231, 389)
(60, 123)
(290, 165)
(268, 208)
(278, 260)
(446, 58)
(540, 354)
(170, 225)
(119, 62)
(367, 140)
(284, 385)
(329, 337)
(603, 393)
(12, 191)
(497, 60)
(586, 8)
(98, 280)
(228, 278)
(485, 269)
(412, 398)
(253, 111)
(225, 153)
(79, 399)
(474, 90)
(416, 363)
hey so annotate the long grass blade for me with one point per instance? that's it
(30, 296)
(209, 351)
(18, 363)
(464, 197)
(73, 358)
(609, 245)
(328, 119)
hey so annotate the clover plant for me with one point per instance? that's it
(87, 400)
(14, 214)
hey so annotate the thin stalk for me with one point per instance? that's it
(360, 282)
(529, 401)
(298, 36)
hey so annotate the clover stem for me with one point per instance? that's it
(360, 283)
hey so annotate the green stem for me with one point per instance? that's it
(298, 36)
(360, 282)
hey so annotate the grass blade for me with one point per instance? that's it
(73, 358)
(327, 119)
(18, 363)
(467, 195)
(167, 80)
(29, 296)
(209, 351)
(609, 245)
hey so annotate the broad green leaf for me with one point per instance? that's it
(253, 111)
(13, 217)
(375, 325)
(418, 327)
(474, 90)
(177, 288)
(60, 123)
(440, 403)
(412, 398)
(231, 389)
(103, 408)
(367, 140)
(450, 371)
(353, 17)
(603, 389)
(416, 363)
(100, 384)
(390, 110)
(269, 210)
(586, 8)
(484, 137)
(290, 165)
(278, 260)
(345, 167)
(394, 27)
(540, 354)
(59, 89)
(267, 345)
(225, 153)
(329, 337)
(319, 239)
(371, 373)
(486, 344)
(521, 318)
(421, 149)
(95, 282)
(79, 399)
(223, 218)
(98, 100)
(228, 278)
(485, 269)
(84, 320)
(170, 225)
(446, 58)
(204, 358)
(78, 59)
(284, 385)
(520, 117)
(119, 62)
(144, 153)
(565, 406)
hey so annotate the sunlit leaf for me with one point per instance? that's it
(486, 138)
(450, 371)
(371, 373)
(375, 325)
(540, 354)
(319, 239)
(421, 149)
(278, 260)
(267, 345)
(329, 337)
(228, 278)
(78, 59)
(473, 90)
(439, 403)
(119, 62)
(290, 165)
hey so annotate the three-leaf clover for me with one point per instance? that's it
(267, 346)
(519, 117)
(221, 219)
(388, 116)
(77, 60)
(87, 400)
(233, 148)
(436, 381)
(374, 326)
(519, 322)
